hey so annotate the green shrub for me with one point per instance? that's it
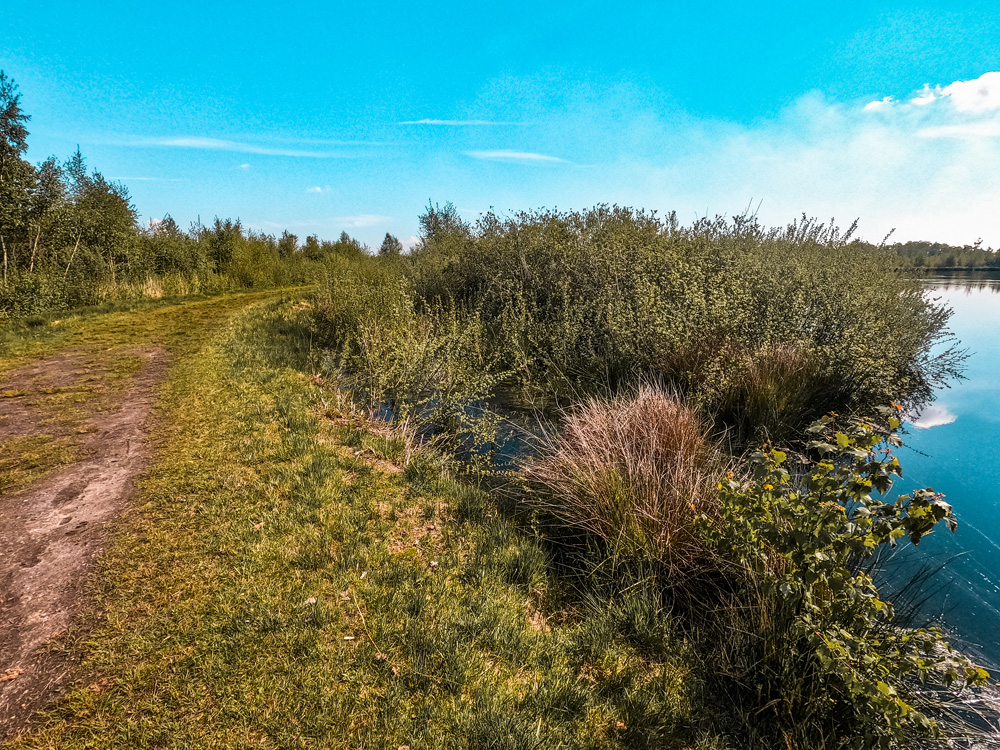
(827, 656)
(432, 366)
(24, 295)
(586, 302)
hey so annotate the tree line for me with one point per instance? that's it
(71, 237)
(922, 254)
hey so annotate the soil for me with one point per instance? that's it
(53, 531)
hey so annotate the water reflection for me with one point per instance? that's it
(934, 415)
(964, 286)
(953, 445)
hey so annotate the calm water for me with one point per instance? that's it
(954, 447)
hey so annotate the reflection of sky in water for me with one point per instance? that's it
(933, 415)
(955, 449)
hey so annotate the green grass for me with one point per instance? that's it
(268, 588)
(25, 458)
(104, 344)
(178, 325)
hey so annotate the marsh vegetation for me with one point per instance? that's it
(664, 364)
(554, 479)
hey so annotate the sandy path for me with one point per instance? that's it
(52, 532)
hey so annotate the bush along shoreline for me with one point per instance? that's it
(665, 363)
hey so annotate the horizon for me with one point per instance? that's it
(336, 119)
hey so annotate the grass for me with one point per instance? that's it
(176, 325)
(26, 458)
(271, 588)
(633, 472)
(94, 354)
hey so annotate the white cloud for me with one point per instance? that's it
(319, 190)
(926, 96)
(879, 104)
(976, 96)
(965, 130)
(239, 147)
(525, 157)
(927, 171)
(244, 166)
(460, 123)
(410, 242)
(362, 220)
(934, 415)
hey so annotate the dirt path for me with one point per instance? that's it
(53, 530)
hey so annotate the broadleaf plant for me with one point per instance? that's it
(807, 531)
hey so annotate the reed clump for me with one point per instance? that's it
(633, 472)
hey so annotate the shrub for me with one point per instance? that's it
(433, 367)
(828, 656)
(586, 301)
(23, 295)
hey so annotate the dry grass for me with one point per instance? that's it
(634, 472)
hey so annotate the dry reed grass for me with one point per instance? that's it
(635, 472)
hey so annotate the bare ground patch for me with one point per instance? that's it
(53, 530)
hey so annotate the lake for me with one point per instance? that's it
(953, 445)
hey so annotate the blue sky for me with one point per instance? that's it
(322, 117)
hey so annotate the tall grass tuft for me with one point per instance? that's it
(633, 472)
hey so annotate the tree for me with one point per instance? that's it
(441, 220)
(312, 249)
(48, 205)
(13, 133)
(391, 247)
(76, 174)
(288, 244)
(106, 222)
(16, 175)
(222, 241)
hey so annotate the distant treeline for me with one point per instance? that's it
(70, 237)
(937, 255)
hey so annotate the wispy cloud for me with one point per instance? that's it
(965, 130)
(287, 224)
(149, 179)
(461, 123)
(238, 147)
(524, 157)
(362, 220)
(318, 190)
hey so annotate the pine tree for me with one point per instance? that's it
(16, 175)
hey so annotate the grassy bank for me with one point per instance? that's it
(282, 581)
